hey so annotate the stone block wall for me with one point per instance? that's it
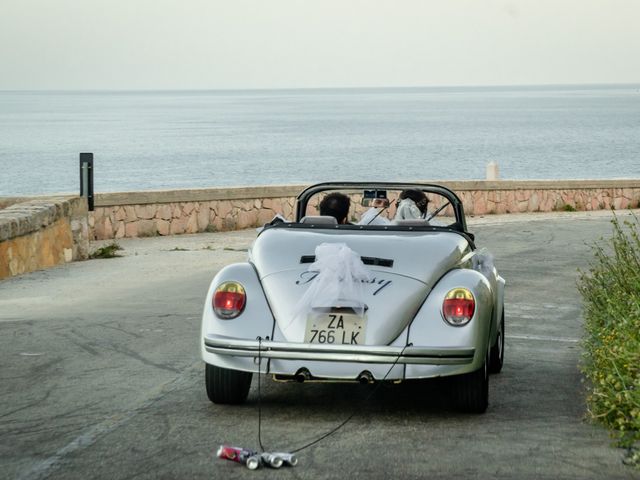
(138, 214)
(483, 202)
(119, 221)
(41, 233)
(8, 201)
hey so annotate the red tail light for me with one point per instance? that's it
(458, 306)
(229, 300)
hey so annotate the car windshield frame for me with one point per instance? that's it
(460, 224)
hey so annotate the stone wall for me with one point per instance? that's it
(41, 233)
(136, 214)
(538, 196)
(8, 201)
(171, 212)
(174, 218)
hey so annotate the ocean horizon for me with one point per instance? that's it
(169, 139)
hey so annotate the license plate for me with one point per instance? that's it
(336, 328)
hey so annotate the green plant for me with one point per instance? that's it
(611, 359)
(632, 458)
(568, 208)
(107, 251)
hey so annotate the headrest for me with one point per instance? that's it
(319, 220)
(412, 222)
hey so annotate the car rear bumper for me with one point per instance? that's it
(416, 355)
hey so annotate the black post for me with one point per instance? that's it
(86, 178)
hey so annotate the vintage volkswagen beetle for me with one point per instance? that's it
(433, 303)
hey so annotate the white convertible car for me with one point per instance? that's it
(384, 300)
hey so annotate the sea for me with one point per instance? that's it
(148, 140)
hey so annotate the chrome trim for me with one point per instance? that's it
(339, 353)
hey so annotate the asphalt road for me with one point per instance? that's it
(100, 376)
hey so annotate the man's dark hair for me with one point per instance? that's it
(336, 205)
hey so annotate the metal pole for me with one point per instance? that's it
(86, 178)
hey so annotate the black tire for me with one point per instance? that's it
(471, 391)
(496, 356)
(227, 386)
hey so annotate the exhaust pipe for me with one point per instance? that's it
(302, 375)
(365, 377)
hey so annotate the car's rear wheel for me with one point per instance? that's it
(471, 390)
(496, 357)
(227, 386)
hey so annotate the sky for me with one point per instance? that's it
(243, 44)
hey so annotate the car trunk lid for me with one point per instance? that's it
(404, 268)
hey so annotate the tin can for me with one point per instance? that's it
(252, 462)
(246, 457)
(288, 458)
(271, 459)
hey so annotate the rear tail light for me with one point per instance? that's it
(229, 300)
(458, 307)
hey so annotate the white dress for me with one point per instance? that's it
(407, 210)
(373, 216)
